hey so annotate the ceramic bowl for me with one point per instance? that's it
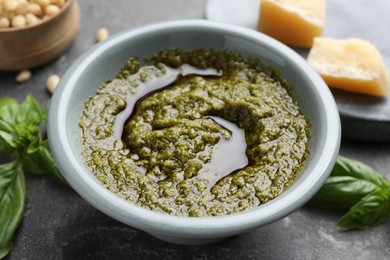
(105, 59)
(31, 46)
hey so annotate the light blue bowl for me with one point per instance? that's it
(105, 59)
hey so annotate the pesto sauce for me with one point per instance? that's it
(166, 147)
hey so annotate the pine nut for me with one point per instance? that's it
(31, 19)
(23, 76)
(4, 22)
(51, 10)
(18, 21)
(101, 34)
(52, 82)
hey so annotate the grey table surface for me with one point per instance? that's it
(58, 224)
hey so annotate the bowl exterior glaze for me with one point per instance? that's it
(31, 46)
(105, 59)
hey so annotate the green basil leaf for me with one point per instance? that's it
(49, 161)
(45, 112)
(30, 112)
(7, 141)
(372, 210)
(349, 167)
(344, 191)
(9, 109)
(26, 134)
(12, 203)
(7, 126)
(34, 145)
(41, 161)
(34, 162)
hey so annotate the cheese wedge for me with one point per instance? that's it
(293, 22)
(351, 64)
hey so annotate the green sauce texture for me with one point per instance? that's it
(163, 156)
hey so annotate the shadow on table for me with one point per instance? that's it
(104, 238)
(101, 237)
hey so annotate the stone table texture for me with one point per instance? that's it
(58, 224)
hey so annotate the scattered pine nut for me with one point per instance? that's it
(52, 82)
(23, 76)
(101, 34)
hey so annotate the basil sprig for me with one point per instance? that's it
(21, 140)
(355, 186)
(12, 200)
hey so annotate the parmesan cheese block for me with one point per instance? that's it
(293, 22)
(351, 64)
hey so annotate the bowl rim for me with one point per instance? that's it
(42, 22)
(154, 222)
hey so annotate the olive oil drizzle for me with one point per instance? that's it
(154, 84)
(228, 155)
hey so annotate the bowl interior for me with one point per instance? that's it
(104, 61)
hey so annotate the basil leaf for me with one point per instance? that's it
(372, 210)
(349, 167)
(34, 145)
(9, 109)
(26, 134)
(6, 126)
(49, 161)
(12, 202)
(7, 141)
(30, 112)
(344, 191)
(41, 161)
(348, 183)
(35, 162)
(45, 112)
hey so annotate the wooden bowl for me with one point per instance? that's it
(31, 46)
